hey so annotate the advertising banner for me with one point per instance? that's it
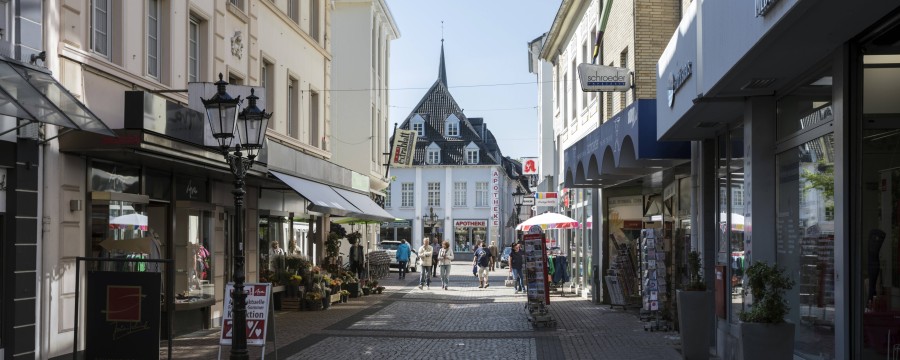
(403, 148)
(123, 315)
(258, 297)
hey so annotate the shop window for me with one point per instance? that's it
(117, 178)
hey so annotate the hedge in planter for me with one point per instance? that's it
(764, 333)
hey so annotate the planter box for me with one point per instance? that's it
(767, 341)
(695, 321)
(335, 298)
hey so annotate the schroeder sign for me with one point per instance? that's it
(403, 148)
(595, 78)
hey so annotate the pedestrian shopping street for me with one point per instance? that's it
(463, 322)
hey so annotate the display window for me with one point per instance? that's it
(877, 238)
(730, 238)
(468, 233)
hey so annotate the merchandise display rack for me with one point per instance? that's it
(654, 287)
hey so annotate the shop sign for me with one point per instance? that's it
(397, 224)
(679, 77)
(469, 223)
(529, 166)
(258, 297)
(527, 201)
(546, 199)
(597, 78)
(123, 315)
(403, 149)
(189, 188)
(495, 198)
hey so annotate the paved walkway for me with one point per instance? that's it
(463, 322)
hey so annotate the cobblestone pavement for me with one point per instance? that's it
(463, 322)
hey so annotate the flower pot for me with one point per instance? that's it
(366, 291)
(767, 341)
(695, 321)
(313, 305)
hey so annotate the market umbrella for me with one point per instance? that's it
(549, 220)
(134, 220)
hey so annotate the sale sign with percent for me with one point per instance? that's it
(258, 297)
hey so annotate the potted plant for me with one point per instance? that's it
(695, 312)
(764, 333)
(345, 295)
(314, 298)
(379, 289)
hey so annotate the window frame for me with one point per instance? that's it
(154, 39)
(460, 190)
(434, 193)
(407, 195)
(193, 49)
(481, 194)
(472, 156)
(433, 156)
(419, 128)
(106, 31)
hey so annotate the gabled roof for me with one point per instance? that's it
(435, 106)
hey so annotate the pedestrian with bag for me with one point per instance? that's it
(516, 265)
(425, 258)
(403, 258)
(444, 259)
(482, 260)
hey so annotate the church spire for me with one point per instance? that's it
(442, 70)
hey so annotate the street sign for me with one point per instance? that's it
(258, 297)
(597, 78)
(528, 201)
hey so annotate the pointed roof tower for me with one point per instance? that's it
(442, 70)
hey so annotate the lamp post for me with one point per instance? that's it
(431, 221)
(249, 127)
(518, 197)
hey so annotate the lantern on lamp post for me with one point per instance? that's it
(249, 128)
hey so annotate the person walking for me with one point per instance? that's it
(403, 258)
(516, 265)
(425, 258)
(425, 252)
(444, 259)
(436, 247)
(357, 259)
(482, 260)
(493, 250)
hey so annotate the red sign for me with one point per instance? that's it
(529, 166)
(257, 313)
(123, 303)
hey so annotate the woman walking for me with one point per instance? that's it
(445, 258)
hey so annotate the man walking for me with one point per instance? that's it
(403, 258)
(516, 264)
(483, 261)
(425, 257)
(493, 250)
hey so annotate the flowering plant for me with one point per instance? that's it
(295, 279)
(336, 282)
(345, 292)
(314, 295)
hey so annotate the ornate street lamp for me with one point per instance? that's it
(518, 197)
(431, 221)
(249, 127)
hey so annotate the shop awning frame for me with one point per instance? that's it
(31, 93)
(623, 148)
(335, 201)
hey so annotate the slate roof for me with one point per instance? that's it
(435, 106)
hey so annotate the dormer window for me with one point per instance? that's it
(417, 124)
(451, 126)
(433, 154)
(472, 153)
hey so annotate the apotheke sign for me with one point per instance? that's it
(597, 78)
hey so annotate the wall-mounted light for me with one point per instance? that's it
(75, 205)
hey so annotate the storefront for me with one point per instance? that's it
(797, 170)
(467, 233)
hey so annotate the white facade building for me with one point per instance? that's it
(458, 173)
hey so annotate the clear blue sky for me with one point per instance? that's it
(485, 43)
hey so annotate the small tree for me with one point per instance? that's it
(767, 285)
(695, 282)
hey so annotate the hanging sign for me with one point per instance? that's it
(546, 199)
(599, 78)
(529, 166)
(403, 149)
